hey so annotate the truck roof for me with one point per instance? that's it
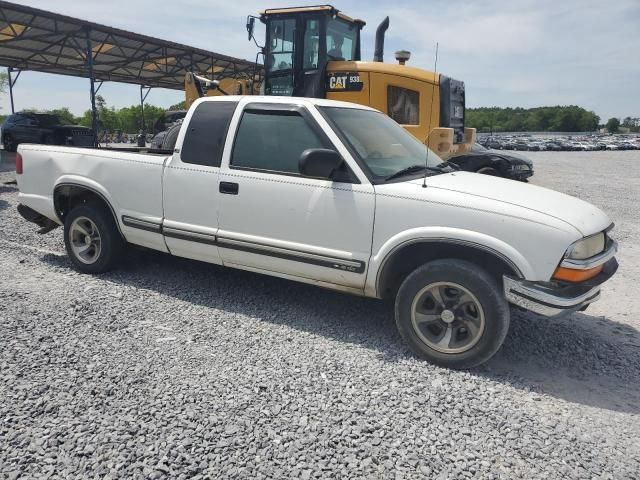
(321, 102)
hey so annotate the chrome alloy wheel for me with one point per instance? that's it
(85, 240)
(447, 317)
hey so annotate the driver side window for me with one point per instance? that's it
(272, 141)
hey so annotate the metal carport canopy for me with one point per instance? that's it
(34, 39)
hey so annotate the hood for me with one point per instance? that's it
(77, 127)
(582, 216)
(514, 157)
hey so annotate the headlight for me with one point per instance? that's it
(520, 167)
(587, 247)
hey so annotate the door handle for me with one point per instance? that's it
(230, 188)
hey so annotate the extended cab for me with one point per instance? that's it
(340, 196)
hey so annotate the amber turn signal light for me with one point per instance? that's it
(573, 275)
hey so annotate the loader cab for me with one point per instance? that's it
(300, 42)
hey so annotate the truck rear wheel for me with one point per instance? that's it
(92, 239)
(452, 313)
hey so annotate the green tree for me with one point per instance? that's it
(4, 81)
(65, 116)
(179, 106)
(559, 118)
(613, 124)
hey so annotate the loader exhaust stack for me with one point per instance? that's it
(379, 47)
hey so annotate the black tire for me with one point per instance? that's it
(9, 144)
(170, 139)
(111, 242)
(494, 308)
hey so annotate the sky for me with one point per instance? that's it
(523, 53)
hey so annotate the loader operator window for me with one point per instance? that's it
(281, 35)
(403, 105)
(279, 57)
(311, 44)
(341, 40)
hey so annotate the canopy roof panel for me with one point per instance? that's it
(34, 39)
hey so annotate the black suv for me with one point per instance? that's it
(27, 127)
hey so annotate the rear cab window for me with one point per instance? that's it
(207, 131)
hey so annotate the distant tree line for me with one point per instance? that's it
(632, 123)
(110, 119)
(126, 119)
(540, 119)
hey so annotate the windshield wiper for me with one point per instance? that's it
(412, 169)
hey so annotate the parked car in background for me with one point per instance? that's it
(44, 128)
(567, 143)
(494, 162)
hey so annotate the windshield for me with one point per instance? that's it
(477, 148)
(383, 146)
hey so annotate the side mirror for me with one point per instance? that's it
(250, 24)
(319, 162)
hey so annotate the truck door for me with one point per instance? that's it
(190, 186)
(272, 219)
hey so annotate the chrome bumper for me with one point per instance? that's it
(530, 296)
(556, 298)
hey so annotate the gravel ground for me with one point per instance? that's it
(169, 368)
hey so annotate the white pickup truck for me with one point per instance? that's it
(336, 195)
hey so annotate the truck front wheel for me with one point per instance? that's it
(92, 239)
(452, 313)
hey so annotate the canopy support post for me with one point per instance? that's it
(12, 82)
(94, 115)
(143, 97)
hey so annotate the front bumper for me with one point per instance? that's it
(557, 298)
(521, 175)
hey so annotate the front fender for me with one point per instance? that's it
(444, 234)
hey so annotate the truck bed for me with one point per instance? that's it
(130, 181)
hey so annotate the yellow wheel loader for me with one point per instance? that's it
(315, 52)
